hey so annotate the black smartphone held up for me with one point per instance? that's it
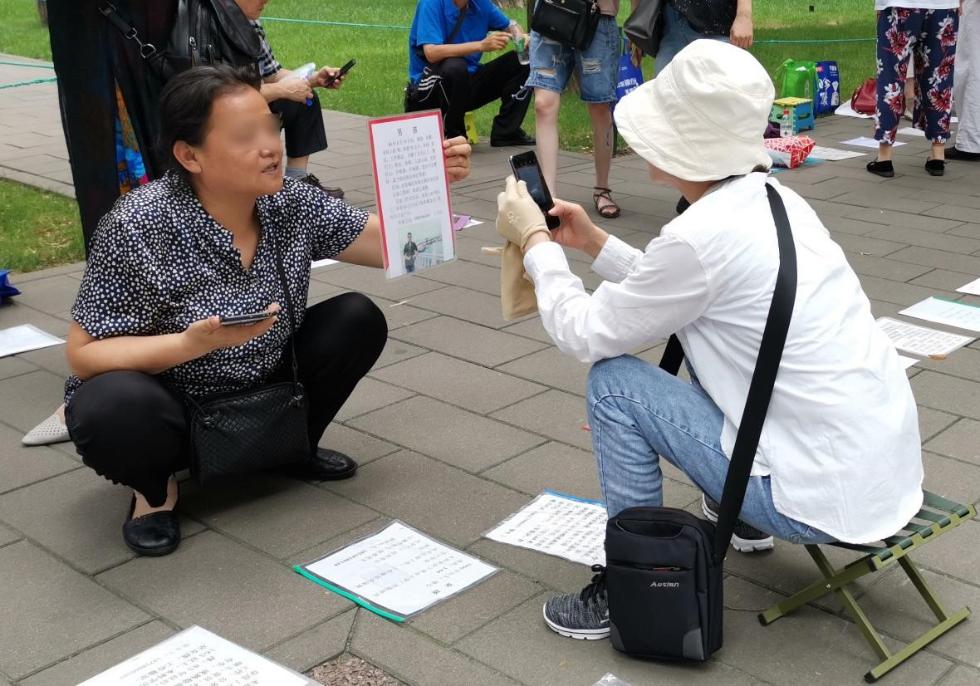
(343, 70)
(243, 319)
(526, 169)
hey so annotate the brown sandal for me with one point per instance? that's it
(606, 211)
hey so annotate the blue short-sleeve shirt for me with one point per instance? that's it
(434, 21)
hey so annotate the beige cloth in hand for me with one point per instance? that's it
(518, 218)
(517, 297)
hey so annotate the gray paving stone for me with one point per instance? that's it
(468, 611)
(51, 359)
(956, 553)
(462, 439)
(462, 303)
(949, 393)
(397, 351)
(938, 258)
(867, 265)
(477, 277)
(553, 465)
(414, 658)
(443, 501)
(14, 365)
(15, 315)
(797, 648)
(236, 592)
(53, 295)
(278, 516)
(399, 313)
(897, 609)
(893, 201)
(30, 398)
(962, 676)
(549, 571)
(902, 219)
(970, 230)
(467, 385)
(370, 395)
(964, 363)
(78, 516)
(467, 341)
(520, 645)
(961, 440)
(931, 422)
(358, 445)
(927, 239)
(894, 291)
(20, 465)
(530, 328)
(943, 280)
(374, 282)
(315, 646)
(8, 535)
(52, 611)
(953, 479)
(963, 214)
(552, 368)
(101, 657)
(863, 245)
(557, 415)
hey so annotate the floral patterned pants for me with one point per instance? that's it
(931, 36)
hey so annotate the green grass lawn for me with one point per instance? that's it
(39, 229)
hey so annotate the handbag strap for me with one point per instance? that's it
(763, 378)
(277, 258)
(452, 34)
(146, 50)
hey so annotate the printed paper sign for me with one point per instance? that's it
(397, 572)
(920, 340)
(560, 525)
(948, 312)
(412, 191)
(197, 656)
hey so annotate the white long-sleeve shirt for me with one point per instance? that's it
(841, 439)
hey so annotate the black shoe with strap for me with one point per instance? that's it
(153, 535)
(518, 138)
(885, 169)
(936, 167)
(332, 192)
(325, 465)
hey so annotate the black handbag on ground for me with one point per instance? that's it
(664, 565)
(254, 430)
(645, 26)
(570, 22)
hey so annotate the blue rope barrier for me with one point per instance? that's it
(26, 64)
(25, 83)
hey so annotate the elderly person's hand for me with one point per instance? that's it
(327, 77)
(457, 152)
(518, 216)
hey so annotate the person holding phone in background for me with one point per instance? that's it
(203, 242)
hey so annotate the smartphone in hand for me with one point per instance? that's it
(343, 71)
(243, 319)
(527, 169)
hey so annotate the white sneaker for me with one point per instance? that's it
(48, 432)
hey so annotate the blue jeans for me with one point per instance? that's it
(678, 34)
(598, 65)
(638, 412)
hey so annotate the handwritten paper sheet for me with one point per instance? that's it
(398, 570)
(560, 525)
(920, 340)
(973, 288)
(20, 339)
(413, 192)
(866, 142)
(948, 312)
(834, 154)
(197, 656)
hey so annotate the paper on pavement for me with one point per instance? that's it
(557, 524)
(834, 154)
(867, 142)
(973, 288)
(920, 340)
(20, 339)
(948, 312)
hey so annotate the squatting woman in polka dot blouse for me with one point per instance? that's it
(202, 242)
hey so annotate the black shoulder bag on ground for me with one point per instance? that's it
(664, 565)
(570, 22)
(253, 430)
(645, 26)
(204, 32)
(428, 93)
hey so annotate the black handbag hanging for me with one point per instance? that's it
(664, 565)
(645, 26)
(254, 430)
(570, 22)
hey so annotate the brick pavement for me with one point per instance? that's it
(455, 457)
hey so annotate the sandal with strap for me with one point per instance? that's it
(610, 211)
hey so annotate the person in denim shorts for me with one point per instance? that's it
(597, 67)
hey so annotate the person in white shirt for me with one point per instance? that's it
(966, 86)
(839, 457)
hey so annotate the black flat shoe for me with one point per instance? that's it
(516, 139)
(326, 465)
(885, 169)
(152, 535)
(936, 167)
(954, 153)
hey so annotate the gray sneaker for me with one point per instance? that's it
(746, 538)
(583, 615)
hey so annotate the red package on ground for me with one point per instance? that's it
(789, 152)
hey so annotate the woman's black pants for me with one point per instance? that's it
(130, 428)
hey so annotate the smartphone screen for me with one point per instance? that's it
(343, 71)
(526, 169)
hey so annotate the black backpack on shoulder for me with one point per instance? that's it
(204, 32)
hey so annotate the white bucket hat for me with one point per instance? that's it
(703, 117)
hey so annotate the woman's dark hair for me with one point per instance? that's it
(187, 99)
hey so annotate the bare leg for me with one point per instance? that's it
(546, 104)
(297, 162)
(144, 508)
(884, 152)
(602, 138)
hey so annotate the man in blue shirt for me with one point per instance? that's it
(445, 46)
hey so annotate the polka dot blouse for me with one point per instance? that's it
(159, 262)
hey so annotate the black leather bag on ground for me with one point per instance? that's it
(570, 22)
(645, 26)
(664, 565)
(254, 430)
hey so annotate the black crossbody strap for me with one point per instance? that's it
(128, 31)
(277, 258)
(763, 378)
(452, 34)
